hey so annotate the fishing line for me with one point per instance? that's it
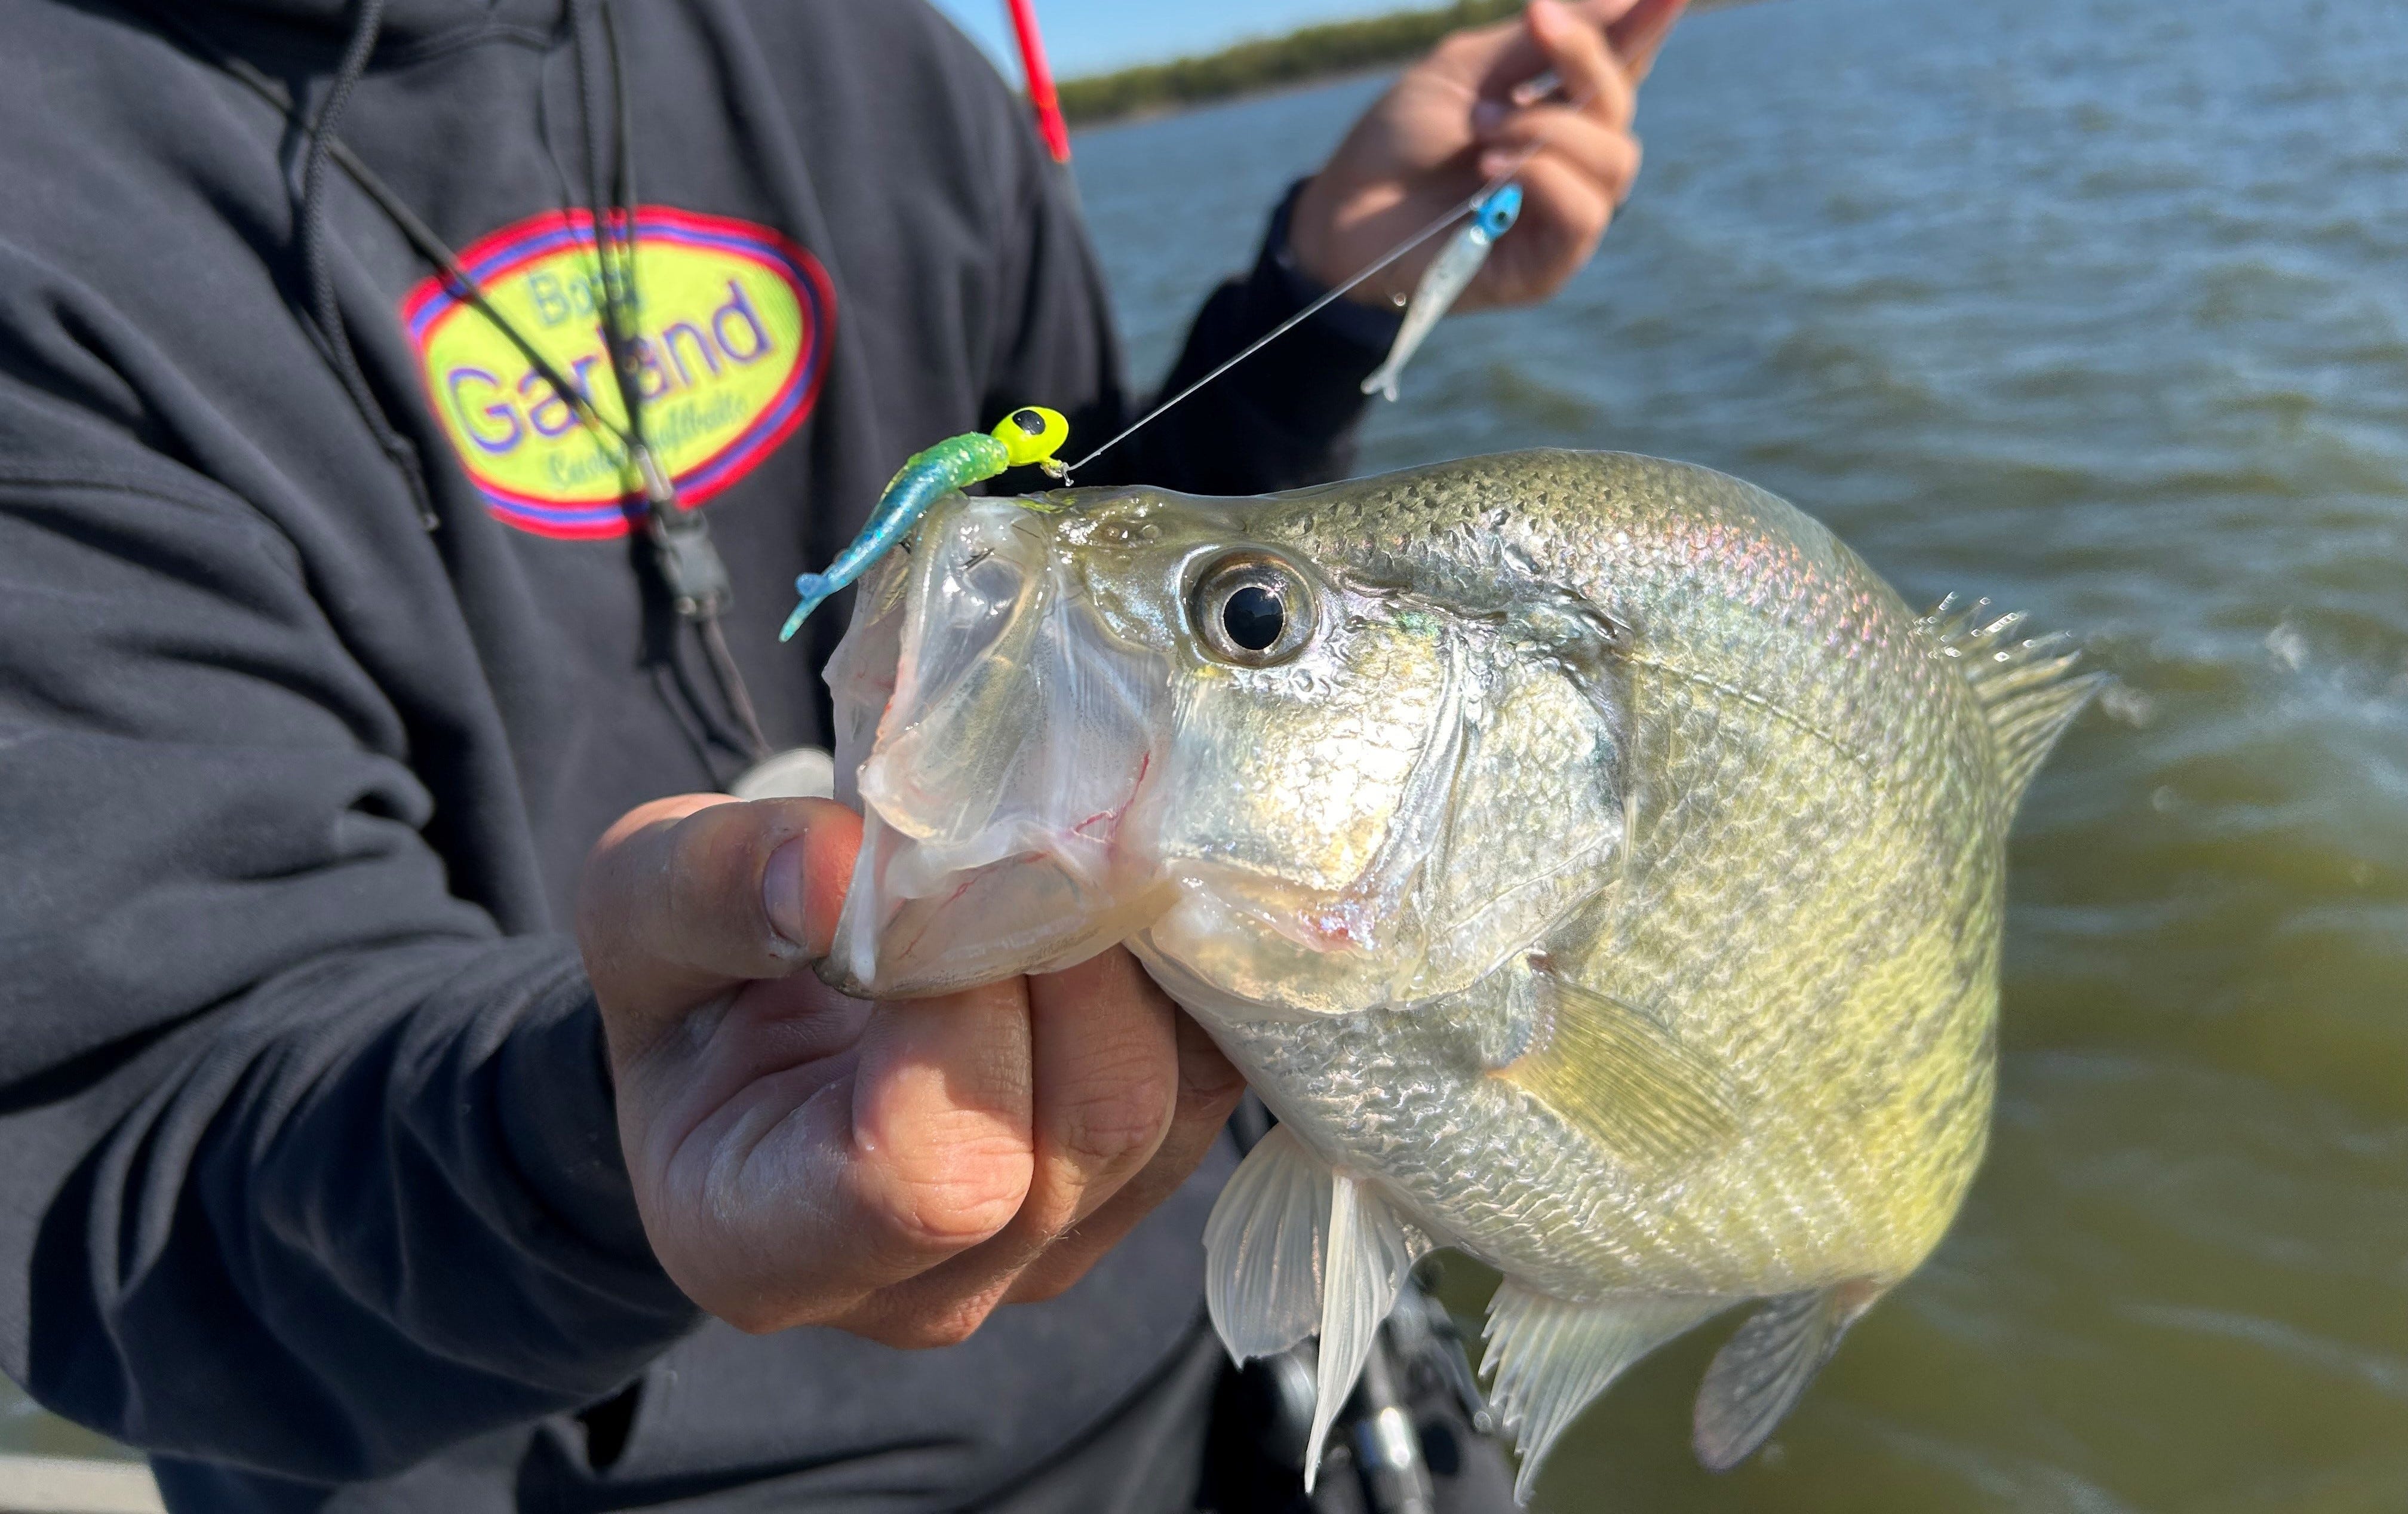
(1449, 217)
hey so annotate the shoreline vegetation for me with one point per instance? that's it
(1304, 56)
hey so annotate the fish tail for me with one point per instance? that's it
(815, 588)
(1383, 382)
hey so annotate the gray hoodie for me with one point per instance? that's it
(312, 701)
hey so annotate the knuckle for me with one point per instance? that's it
(936, 1329)
(950, 1201)
(695, 866)
(1457, 47)
(758, 1320)
(1123, 1118)
(1210, 1079)
(1044, 1282)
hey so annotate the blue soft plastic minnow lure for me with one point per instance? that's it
(1445, 280)
(1031, 434)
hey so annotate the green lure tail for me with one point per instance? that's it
(1031, 434)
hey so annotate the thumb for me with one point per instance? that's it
(685, 897)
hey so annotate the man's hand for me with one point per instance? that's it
(893, 1169)
(1451, 122)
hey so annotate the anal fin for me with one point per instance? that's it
(1549, 1358)
(1756, 1376)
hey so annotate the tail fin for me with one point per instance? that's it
(1384, 381)
(2028, 689)
(815, 589)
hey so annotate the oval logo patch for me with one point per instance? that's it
(733, 322)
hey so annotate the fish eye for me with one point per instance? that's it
(1252, 609)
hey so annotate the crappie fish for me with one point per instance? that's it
(1595, 865)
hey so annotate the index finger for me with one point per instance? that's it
(1638, 36)
(1591, 77)
(1524, 57)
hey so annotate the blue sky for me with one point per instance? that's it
(1082, 36)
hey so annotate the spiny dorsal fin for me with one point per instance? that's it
(1617, 1075)
(1758, 1374)
(2027, 688)
(1549, 1358)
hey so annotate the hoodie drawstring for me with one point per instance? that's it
(317, 264)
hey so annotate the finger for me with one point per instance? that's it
(813, 1186)
(1104, 1059)
(677, 901)
(1608, 156)
(1208, 1089)
(1107, 1060)
(1576, 49)
(1513, 53)
(1564, 215)
(941, 1150)
(1638, 36)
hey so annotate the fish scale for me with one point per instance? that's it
(1607, 879)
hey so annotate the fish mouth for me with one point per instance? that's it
(1002, 743)
(1008, 712)
(1050, 761)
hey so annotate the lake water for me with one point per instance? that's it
(2099, 307)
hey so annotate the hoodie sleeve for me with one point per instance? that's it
(309, 1166)
(1282, 418)
(1280, 421)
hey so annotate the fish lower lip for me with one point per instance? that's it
(1013, 743)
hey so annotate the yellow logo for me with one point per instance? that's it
(733, 325)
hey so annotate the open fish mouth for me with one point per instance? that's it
(1001, 742)
(1054, 750)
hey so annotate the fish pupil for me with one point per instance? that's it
(1029, 421)
(1253, 617)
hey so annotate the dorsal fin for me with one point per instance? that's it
(2026, 688)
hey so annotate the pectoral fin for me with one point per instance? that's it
(1551, 1358)
(1756, 1376)
(1615, 1073)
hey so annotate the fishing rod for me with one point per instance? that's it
(1535, 89)
(1044, 103)
(1033, 433)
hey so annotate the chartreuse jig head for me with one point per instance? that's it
(1031, 434)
